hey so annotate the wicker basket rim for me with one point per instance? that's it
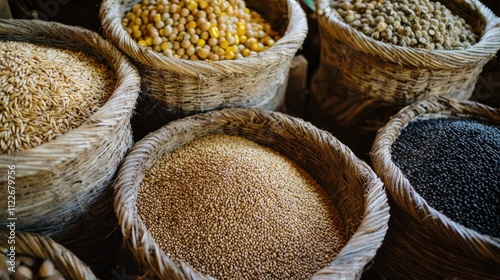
(287, 45)
(403, 192)
(374, 222)
(40, 246)
(119, 105)
(485, 48)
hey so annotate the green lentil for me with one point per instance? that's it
(233, 209)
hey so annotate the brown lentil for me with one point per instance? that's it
(233, 209)
(158, 24)
(419, 23)
(46, 92)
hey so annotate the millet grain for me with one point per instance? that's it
(233, 209)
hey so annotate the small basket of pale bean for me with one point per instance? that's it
(247, 193)
(30, 256)
(379, 56)
(196, 56)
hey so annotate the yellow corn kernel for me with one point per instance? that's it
(243, 39)
(201, 43)
(142, 43)
(136, 34)
(241, 30)
(214, 32)
(203, 4)
(270, 42)
(191, 24)
(231, 49)
(224, 44)
(135, 27)
(149, 41)
(257, 47)
(229, 55)
(247, 10)
(162, 32)
(245, 52)
(164, 46)
(250, 43)
(192, 5)
(156, 17)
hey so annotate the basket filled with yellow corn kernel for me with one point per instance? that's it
(195, 56)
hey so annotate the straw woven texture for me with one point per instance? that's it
(57, 181)
(186, 87)
(42, 247)
(421, 241)
(353, 186)
(362, 81)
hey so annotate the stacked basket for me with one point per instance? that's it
(362, 81)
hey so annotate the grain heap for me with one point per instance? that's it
(454, 165)
(28, 268)
(46, 92)
(408, 23)
(233, 209)
(199, 29)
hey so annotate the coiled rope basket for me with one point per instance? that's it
(356, 191)
(423, 243)
(361, 81)
(41, 247)
(185, 87)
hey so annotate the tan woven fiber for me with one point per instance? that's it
(421, 241)
(57, 181)
(185, 87)
(363, 81)
(353, 186)
(43, 247)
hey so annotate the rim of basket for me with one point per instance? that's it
(420, 209)
(375, 213)
(39, 246)
(485, 49)
(123, 96)
(286, 46)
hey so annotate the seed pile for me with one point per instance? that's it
(408, 23)
(454, 164)
(46, 92)
(28, 268)
(199, 29)
(233, 209)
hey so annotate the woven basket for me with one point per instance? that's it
(422, 242)
(357, 192)
(362, 81)
(61, 181)
(41, 247)
(184, 87)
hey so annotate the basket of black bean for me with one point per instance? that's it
(440, 159)
(30, 256)
(248, 194)
(379, 56)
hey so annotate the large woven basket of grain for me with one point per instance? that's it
(248, 213)
(377, 58)
(34, 256)
(183, 86)
(439, 161)
(69, 97)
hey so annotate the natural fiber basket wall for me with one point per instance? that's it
(41, 247)
(63, 180)
(184, 87)
(421, 242)
(362, 81)
(357, 192)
